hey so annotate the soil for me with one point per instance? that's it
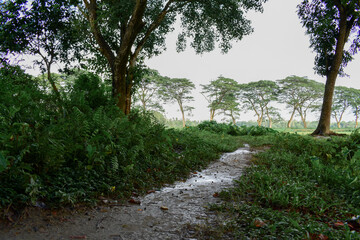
(162, 214)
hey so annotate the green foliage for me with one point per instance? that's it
(221, 95)
(323, 20)
(90, 150)
(223, 128)
(289, 188)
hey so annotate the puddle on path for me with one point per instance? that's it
(161, 215)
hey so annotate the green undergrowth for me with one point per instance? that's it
(234, 130)
(63, 153)
(301, 188)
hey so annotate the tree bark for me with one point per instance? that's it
(323, 127)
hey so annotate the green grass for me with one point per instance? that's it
(302, 188)
(308, 131)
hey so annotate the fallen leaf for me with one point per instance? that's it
(135, 194)
(150, 191)
(338, 224)
(78, 237)
(259, 223)
(314, 236)
(164, 208)
(133, 201)
(216, 194)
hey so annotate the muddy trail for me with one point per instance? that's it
(162, 214)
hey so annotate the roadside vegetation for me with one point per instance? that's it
(299, 188)
(56, 156)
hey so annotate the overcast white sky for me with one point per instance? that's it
(278, 48)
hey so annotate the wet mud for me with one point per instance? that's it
(161, 214)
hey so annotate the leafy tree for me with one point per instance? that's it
(331, 24)
(300, 95)
(220, 94)
(256, 96)
(355, 105)
(342, 101)
(38, 27)
(231, 107)
(177, 90)
(147, 89)
(120, 32)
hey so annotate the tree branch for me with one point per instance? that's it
(104, 46)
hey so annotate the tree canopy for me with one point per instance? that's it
(220, 94)
(300, 95)
(177, 90)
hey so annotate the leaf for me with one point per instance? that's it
(133, 201)
(259, 223)
(164, 208)
(4, 163)
(78, 237)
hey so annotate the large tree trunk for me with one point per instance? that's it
(323, 127)
(119, 90)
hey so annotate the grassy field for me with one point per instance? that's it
(308, 131)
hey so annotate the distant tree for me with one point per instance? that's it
(177, 90)
(331, 24)
(220, 94)
(231, 107)
(300, 95)
(355, 105)
(257, 96)
(342, 101)
(147, 89)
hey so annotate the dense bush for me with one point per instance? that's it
(52, 158)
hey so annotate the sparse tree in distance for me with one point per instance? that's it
(355, 105)
(342, 99)
(331, 24)
(218, 94)
(147, 89)
(300, 94)
(231, 107)
(256, 96)
(177, 90)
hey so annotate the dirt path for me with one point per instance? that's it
(159, 215)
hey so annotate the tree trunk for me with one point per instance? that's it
(233, 118)
(356, 117)
(182, 113)
(303, 119)
(119, 90)
(291, 119)
(323, 127)
(212, 114)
